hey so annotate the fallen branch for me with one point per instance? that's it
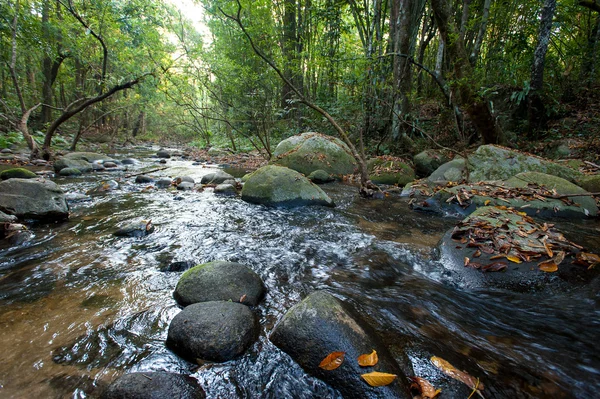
(592, 164)
(146, 172)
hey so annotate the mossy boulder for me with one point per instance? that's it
(308, 152)
(590, 183)
(69, 172)
(322, 324)
(451, 171)
(17, 173)
(219, 281)
(426, 162)
(319, 176)
(216, 331)
(388, 171)
(154, 385)
(80, 164)
(277, 185)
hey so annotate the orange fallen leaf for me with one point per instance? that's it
(457, 374)
(548, 266)
(242, 298)
(332, 361)
(486, 202)
(368, 359)
(514, 259)
(424, 387)
(377, 379)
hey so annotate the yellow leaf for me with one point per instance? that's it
(367, 360)
(548, 266)
(486, 202)
(377, 379)
(514, 259)
(424, 387)
(332, 361)
(457, 374)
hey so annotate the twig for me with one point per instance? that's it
(148, 171)
(592, 164)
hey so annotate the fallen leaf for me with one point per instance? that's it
(486, 202)
(548, 266)
(243, 298)
(467, 260)
(560, 256)
(377, 379)
(368, 359)
(332, 361)
(495, 267)
(514, 259)
(457, 374)
(424, 387)
(477, 254)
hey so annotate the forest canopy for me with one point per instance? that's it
(398, 74)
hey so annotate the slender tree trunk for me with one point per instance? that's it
(481, 34)
(590, 60)
(464, 19)
(536, 109)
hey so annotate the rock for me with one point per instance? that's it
(154, 385)
(444, 201)
(185, 186)
(184, 179)
(104, 187)
(5, 218)
(163, 154)
(491, 162)
(225, 188)
(218, 152)
(138, 229)
(67, 172)
(17, 173)
(319, 176)
(426, 162)
(322, 324)
(87, 156)
(561, 149)
(383, 171)
(177, 266)
(77, 197)
(163, 182)
(162, 161)
(6, 151)
(214, 331)
(217, 177)
(308, 152)
(277, 185)
(219, 281)
(33, 199)
(519, 277)
(144, 179)
(452, 171)
(109, 164)
(129, 161)
(98, 167)
(64, 163)
(590, 183)
(39, 162)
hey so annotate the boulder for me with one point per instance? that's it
(17, 173)
(184, 179)
(163, 154)
(388, 171)
(426, 162)
(225, 188)
(138, 229)
(163, 182)
(33, 199)
(308, 152)
(277, 185)
(104, 187)
(109, 164)
(215, 331)
(129, 161)
(98, 167)
(590, 183)
(185, 186)
(64, 163)
(322, 324)
(154, 385)
(144, 179)
(319, 176)
(451, 171)
(68, 172)
(5, 218)
(87, 156)
(219, 281)
(486, 233)
(217, 177)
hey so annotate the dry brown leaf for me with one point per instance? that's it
(548, 266)
(486, 202)
(242, 298)
(424, 387)
(368, 359)
(514, 259)
(377, 379)
(332, 361)
(560, 256)
(457, 374)
(477, 254)
(467, 260)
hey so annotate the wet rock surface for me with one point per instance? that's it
(154, 385)
(33, 199)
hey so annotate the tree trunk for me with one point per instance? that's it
(536, 109)
(464, 85)
(289, 47)
(481, 34)
(588, 69)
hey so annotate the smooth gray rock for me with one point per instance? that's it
(215, 331)
(217, 177)
(163, 154)
(219, 281)
(322, 324)
(137, 229)
(319, 176)
(163, 182)
(69, 172)
(426, 162)
(225, 188)
(154, 385)
(109, 164)
(33, 199)
(129, 161)
(5, 218)
(185, 186)
(144, 179)
(64, 163)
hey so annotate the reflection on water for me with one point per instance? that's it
(80, 306)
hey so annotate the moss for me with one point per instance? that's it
(17, 173)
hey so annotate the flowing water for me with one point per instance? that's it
(79, 306)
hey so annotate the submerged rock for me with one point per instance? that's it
(154, 385)
(322, 324)
(276, 185)
(138, 229)
(308, 152)
(215, 331)
(17, 173)
(33, 199)
(219, 281)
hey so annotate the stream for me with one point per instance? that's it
(79, 306)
